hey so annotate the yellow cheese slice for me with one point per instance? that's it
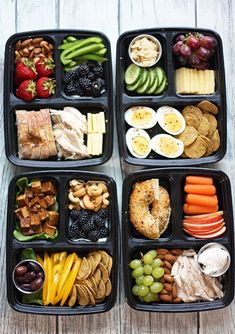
(102, 122)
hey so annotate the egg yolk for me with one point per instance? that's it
(168, 146)
(172, 122)
(140, 145)
(141, 116)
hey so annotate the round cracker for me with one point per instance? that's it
(197, 149)
(191, 120)
(212, 121)
(204, 126)
(108, 288)
(84, 270)
(184, 155)
(104, 272)
(215, 140)
(101, 290)
(188, 136)
(82, 296)
(208, 106)
(104, 258)
(192, 110)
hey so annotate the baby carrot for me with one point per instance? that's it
(201, 189)
(201, 200)
(197, 209)
(199, 180)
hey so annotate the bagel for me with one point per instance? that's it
(147, 201)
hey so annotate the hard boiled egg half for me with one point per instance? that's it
(170, 120)
(141, 117)
(138, 142)
(167, 146)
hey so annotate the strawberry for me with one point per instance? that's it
(45, 67)
(26, 90)
(25, 71)
(45, 87)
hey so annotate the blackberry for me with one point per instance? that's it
(79, 90)
(104, 232)
(86, 85)
(73, 230)
(103, 213)
(84, 216)
(81, 235)
(99, 223)
(88, 226)
(100, 83)
(93, 235)
(95, 91)
(98, 71)
(91, 76)
(69, 89)
(82, 71)
(74, 214)
(69, 76)
(91, 64)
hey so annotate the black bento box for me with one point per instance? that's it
(57, 101)
(62, 242)
(173, 180)
(126, 99)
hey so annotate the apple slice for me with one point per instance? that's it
(202, 232)
(202, 227)
(206, 215)
(208, 236)
(203, 221)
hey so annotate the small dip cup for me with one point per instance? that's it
(26, 263)
(225, 267)
(153, 39)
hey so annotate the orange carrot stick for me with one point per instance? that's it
(201, 189)
(197, 209)
(201, 200)
(199, 180)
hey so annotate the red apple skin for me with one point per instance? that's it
(203, 221)
(203, 227)
(208, 236)
(205, 232)
(206, 215)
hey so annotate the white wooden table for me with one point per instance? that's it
(113, 17)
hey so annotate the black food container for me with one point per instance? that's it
(62, 242)
(173, 180)
(126, 99)
(57, 101)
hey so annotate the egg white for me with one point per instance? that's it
(167, 110)
(149, 125)
(155, 146)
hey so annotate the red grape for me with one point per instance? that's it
(194, 60)
(203, 53)
(180, 38)
(202, 66)
(185, 51)
(182, 61)
(208, 42)
(176, 48)
(193, 42)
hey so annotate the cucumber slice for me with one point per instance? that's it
(144, 87)
(155, 83)
(152, 77)
(144, 76)
(132, 74)
(162, 87)
(134, 86)
(161, 75)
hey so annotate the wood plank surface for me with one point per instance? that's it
(113, 17)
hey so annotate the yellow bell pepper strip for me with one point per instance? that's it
(40, 260)
(57, 271)
(45, 285)
(56, 258)
(49, 268)
(67, 266)
(71, 279)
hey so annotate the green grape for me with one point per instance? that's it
(135, 290)
(148, 269)
(155, 297)
(139, 280)
(153, 253)
(148, 258)
(143, 290)
(135, 264)
(156, 287)
(137, 272)
(149, 297)
(141, 299)
(156, 263)
(158, 272)
(148, 280)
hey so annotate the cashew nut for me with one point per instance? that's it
(94, 191)
(80, 192)
(78, 186)
(97, 201)
(103, 187)
(105, 198)
(72, 198)
(87, 203)
(97, 208)
(74, 206)
(73, 182)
